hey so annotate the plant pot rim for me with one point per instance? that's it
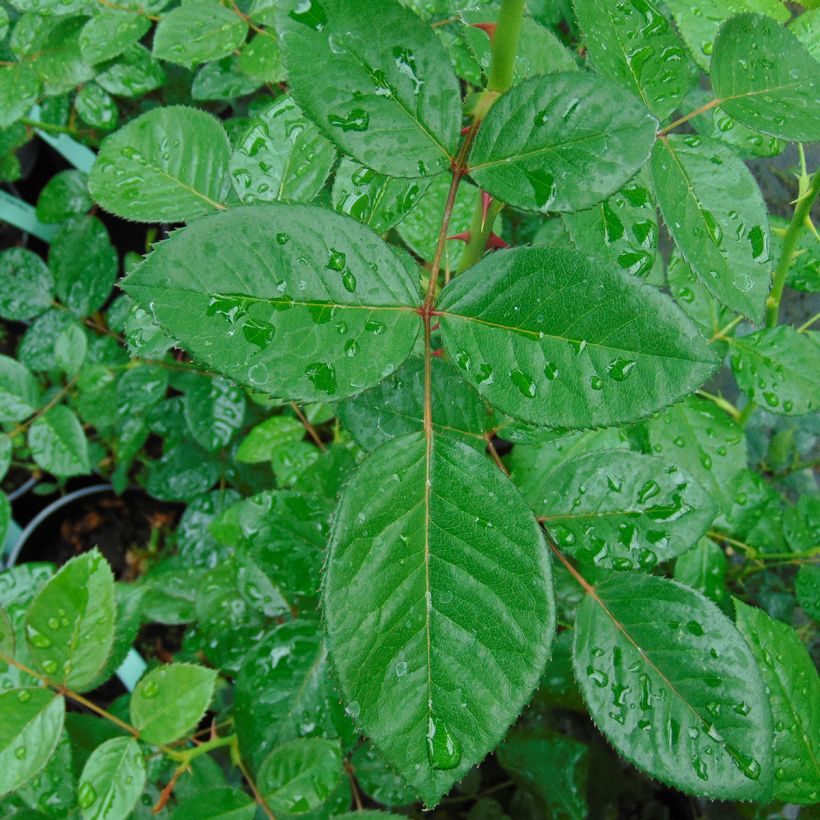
(20, 491)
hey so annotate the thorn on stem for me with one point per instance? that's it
(487, 28)
(486, 199)
(464, 236)
(495, 241)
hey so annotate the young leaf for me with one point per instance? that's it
(112, 780)
(634, 44)
(555, 339)
(19, 392)
(26, 285)
(300, 776)
(623, 510)
(716, 217)
(133, 74)
(765, 78)
(452, 606)
(779, 367)
(561, 142)
(168, 165)
(282, 155)
(669, 680)
(261, 59)
(292, 300)
(389, 97)
(261, 443)
(794, 693)
(704, 569)
(31, 721)
(214, 410)
(395, 407)
(702, 439)
(198, 33)
(58, 443)
(170, 700)
(70, 624)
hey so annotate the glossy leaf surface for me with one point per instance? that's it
(197, 33)
(112, 779)
(58, 443)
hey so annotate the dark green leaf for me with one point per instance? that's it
(378, 780)
(671, 683)
(807, 589)
(216, 804)
(134, 73)
(96, 108)
(694, 298)
(19, 87)
(222, 80)
(262, 59)
(20, 394)
(26, 284)
(58, 443)
(65, 195)
(716, 215)
(389, 97)
(198, 33)
(555, 339)
(438, 586)
(109, 32)
(112, 780)
(183, 472)
(170, 700)
(704, 569)
(561, 142)
(170, 164)
(70, 624)
(197, 546)
(295, 301)
(59, 62)
(214, 410)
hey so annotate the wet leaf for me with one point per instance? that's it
(26, 284)
(65, 195)
(20, 394)
(704, 569)
(58, 443)
(198, 33)
(112, 780)
(109, 32)
(214, 410)
(216, 804)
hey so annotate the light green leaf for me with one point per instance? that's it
(31, 721)
(389, 97)
(261, 59)
(699, 22)
(19, 88)
(395, 407)
(284, 691)
(673, 686)
(374, 199)
(561, 142)
(49, 7)
(20, 394)
(622, 229)
(84, 263)
(109, 32)
(779, 368)
(265, 438)
(555, 339)
(704, 569)
(694, 298)
(282, 156)
(59, 61)
(295, 301)
(198, 33)
(112, 780)
(634, 44)
(170, 700)
(806, 27)
(794, 693)
(167, 165)
(765, 78)
(216, 804)
(70, 624)
(26, 285)
(702, 439)
(214, 410)
(623, 510)
(58, 443)
(716, 215)
(437, 586)
(300, 776)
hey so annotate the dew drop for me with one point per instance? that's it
(443, 750)
(524, 383)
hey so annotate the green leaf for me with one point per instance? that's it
(59, 61)
(553, 766)
(214, 410)
(389, 97)
(702, 439)
(295, 301)
(634, 44)
(299, 776)
(672, 685)
(170, 701)
(716, 217)
(19, 88)
(58, 443)
(778, 367)
(133, 74)
(555, 339)
(284, 691)
(794, 694)
(197, 546)
(766, 79)
(265, 438)
(198, 33)
(704, 569)
(167, 165)
(84, 263)
(216, 804)
(622, 229)
(282, 156)
(377, 780)
(699, 22)
(5, 509)
(20, 394)
(376, 200)
(32, 720)
(807, 589)
(395, 407)
(261, 59)
(169, 590)
(70, 624)
(561, 142)
(96, 108)
(694, 298)
(26, 285)
(109, 32)
(622, 510)
(65, 195)
(184, 471)
(36, 349)
(439, 587)
(112, 780)
(806, 27)
(222, 80)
